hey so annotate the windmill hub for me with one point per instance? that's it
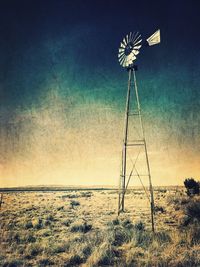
(128, 48)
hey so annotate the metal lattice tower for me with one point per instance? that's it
(129, 49)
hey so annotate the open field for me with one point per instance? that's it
(81, 228)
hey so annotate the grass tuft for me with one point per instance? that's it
(74, 203)
(81, 227)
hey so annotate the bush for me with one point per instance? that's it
(38, 224)
(141, 237)
(33, 250)
(74, 203)
(28, 225)
(45, 262)
(120, 235)
(83, 228)
(192, 210)
(67, 222)
(75, 260)
(59, 248)
(70, 196)
(12, 263)
(60, 208)
(192, 187)
(104, 255)
(116, 221)
(159, 209)
(128, 224)
(134, 257)
(162, 237)
(31, 239)
(139, 226)
(86, 194)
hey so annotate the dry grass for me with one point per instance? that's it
(82, 229)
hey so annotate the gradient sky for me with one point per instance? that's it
(63, 92)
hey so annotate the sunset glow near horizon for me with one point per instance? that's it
(63, 92)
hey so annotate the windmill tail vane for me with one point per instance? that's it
(154, 38)
(129, 48)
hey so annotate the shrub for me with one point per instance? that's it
(104, 255)
(59, 248)
(139, 226)
(49, 220)
(74, 261)
(115, 221)
(141, 237)
(127, 224)
(67, 222)
(162, 237)
(185, 220)
(45, 262)
(28, 225)
(194, 232)
(16, 238)
(193, 209)
(33, 250)
(31, 239)
(159, 209)
(87, 251)
(38, 224)
(74, 203)
(83, 228)
(86, 194)
(60, 208)
(50, 217)
(134, 257)
(120, 235)
(47, 233)
(70, 196)
(12, 263)
(192, 187)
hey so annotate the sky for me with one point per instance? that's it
(63, 91)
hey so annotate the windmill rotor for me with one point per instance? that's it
(129, 49)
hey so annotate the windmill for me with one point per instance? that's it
(128, 51)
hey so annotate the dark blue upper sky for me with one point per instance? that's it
(82, 37)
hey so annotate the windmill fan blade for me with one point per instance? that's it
(132, 37)
(138, 42)
(154, 38)
(121, 49)
(122, 60)
(137, 47)
(136, 52)
(121, 57)
(136, 38)
(121, 54)
(127, 39)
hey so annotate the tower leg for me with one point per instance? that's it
(123, 177)
(146, 154)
